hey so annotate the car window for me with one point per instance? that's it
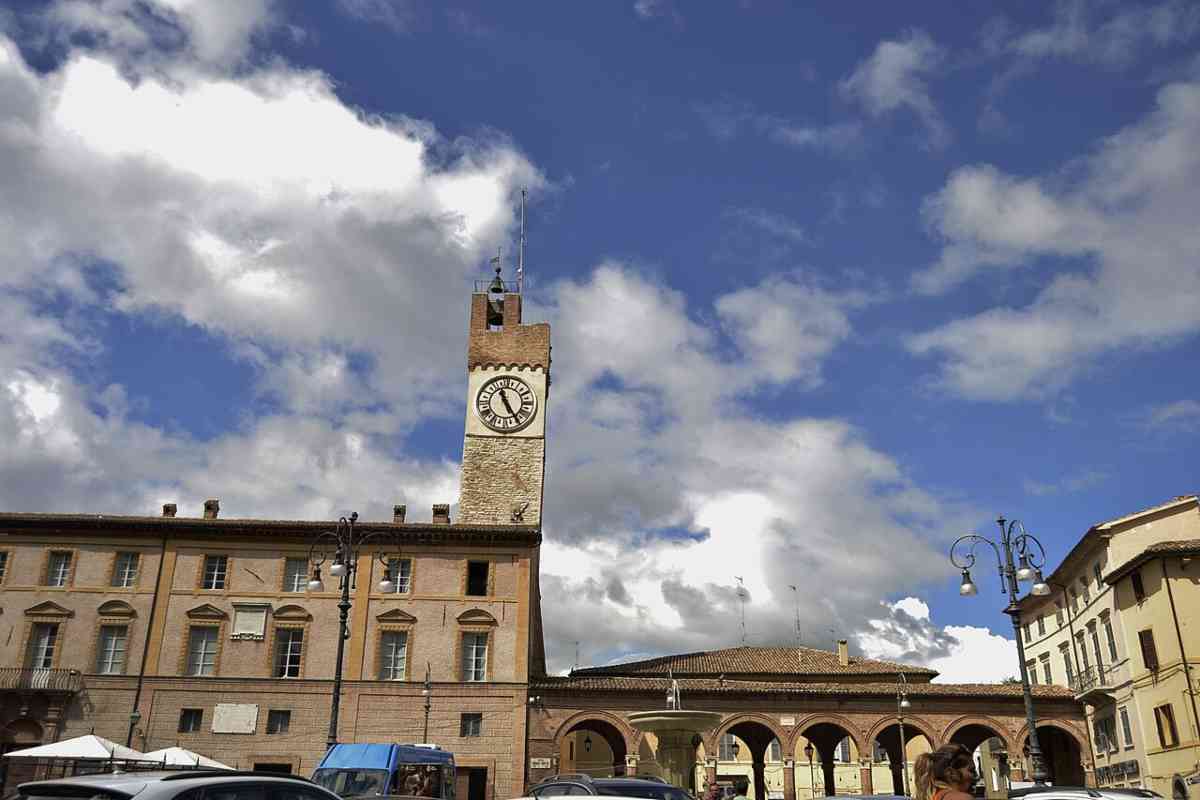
(235, 791)
(559, 790)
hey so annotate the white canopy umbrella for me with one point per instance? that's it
(182, 757)
(90, 746)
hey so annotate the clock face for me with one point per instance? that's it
(505, 404)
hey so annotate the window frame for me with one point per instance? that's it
(68, 578)
(1166, 712)
(289, 630)
(470, 725)
(1149, 654)
(1098, 574)
(404, 586)
(202, 575)
(1058, 612)
(101, 653)
(1065, 650)
(462, 655)
(1126, 727)
(1047, 673)
(487, 591)
(118, 575)
(386, 631)
(192, 628)
(1041, 624)
(5, 561)
(1110, 637)
(1139, 587)
(187, 713)
(274, 715)
(55, 627)
(295, 587)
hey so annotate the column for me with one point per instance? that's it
(631, 766)
(864, 776)
(789, 779)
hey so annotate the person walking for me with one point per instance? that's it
(947, 773)
(741, 788)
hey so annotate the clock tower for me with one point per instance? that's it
(508, 381)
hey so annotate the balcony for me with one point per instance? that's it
(47, 680)
(1094, 685)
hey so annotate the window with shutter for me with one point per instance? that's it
(1149, 651)
(1164, 719)
(1139, 589)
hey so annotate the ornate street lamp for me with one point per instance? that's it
(345, 544)
(812, 780)
(901, 704)
(1026, 569)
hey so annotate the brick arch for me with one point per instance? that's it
(853, 731)
(633, 737)
(920, 725)
(1054, 723)
(1000, 729)
(712, 742)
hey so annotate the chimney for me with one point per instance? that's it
(843, 653)
(398, 513)
(212, 508)
(441, 513)
(169, 509)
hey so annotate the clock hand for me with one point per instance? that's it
(504, 399)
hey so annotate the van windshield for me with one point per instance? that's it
(352, 782)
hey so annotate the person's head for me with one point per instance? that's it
(950, 766)
(741, 786)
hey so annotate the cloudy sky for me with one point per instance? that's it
(829, 287)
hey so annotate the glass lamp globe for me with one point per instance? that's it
(338, 568)
(967, 588)
(1040, 587)
(315, 585)
(1024, 570)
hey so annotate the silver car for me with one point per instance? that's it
(176, 785)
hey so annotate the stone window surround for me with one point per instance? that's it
(179, 724)
(398, 626)
(475, 620)
(44, 576)
(290, 617)
(201, 617)
(45, 614)
(412, 578)
(283, 578)
(113, 613)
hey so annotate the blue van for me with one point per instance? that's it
(370, 770)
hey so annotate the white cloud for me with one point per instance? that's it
(1180, 415)
(1076, 33)
(960, 653)
(1067, 484)
(727, 119)
(894, 78)
(1120, 232)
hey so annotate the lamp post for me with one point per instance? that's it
(812, 780)
(901, 704)
(426, 692)
(1028, 568)
(345, 543)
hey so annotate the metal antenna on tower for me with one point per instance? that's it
(796, 594)
(741, 593)
(521, 246)
(576, 655)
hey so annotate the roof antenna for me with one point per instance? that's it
(521, 246)
(576, 655)
(796, 595)
(741, 593)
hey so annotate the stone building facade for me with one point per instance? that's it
(202, 631)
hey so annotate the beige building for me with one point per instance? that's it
(1120, 630)
(203, 631)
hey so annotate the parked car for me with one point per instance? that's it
(1048, 792)
(649, 788)
(176, 785)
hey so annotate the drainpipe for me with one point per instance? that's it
(1187, 670)
(134, 714)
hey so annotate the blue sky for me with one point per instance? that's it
(829, 286)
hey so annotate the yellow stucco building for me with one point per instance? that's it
(1121, 628)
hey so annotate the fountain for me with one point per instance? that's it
(675, 729)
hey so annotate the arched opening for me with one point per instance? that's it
(990, 750)
(827, 761)
(750, 750)
(1061, 753)
(594, 747)
(895, 750)
(17, 735)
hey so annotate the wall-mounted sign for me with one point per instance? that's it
(539, 763)
(235, 718)
(787, 722)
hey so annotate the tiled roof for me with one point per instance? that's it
(602, 683)
(783, 661)
(1181, 547)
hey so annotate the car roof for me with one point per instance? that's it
(130, 783)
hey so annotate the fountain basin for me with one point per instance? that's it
(675, 730)
(674, 720)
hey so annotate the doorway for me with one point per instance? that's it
(471, 783)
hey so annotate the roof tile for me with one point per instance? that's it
(779, 661)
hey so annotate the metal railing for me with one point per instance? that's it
(1096, 676)
(51, 680)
